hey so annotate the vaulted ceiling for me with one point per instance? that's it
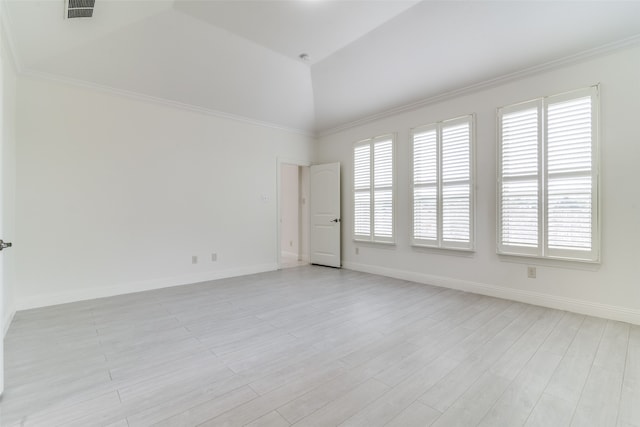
(241, 57)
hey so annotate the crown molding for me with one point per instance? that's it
(162, 101)
(486, 84)
(476, 87)
(21, 70)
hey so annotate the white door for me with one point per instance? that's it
(325, 214)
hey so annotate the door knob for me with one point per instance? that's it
(4, 245)
(335, 220)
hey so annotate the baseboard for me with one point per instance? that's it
(8, 318)
(133, 287)
(290, 254)
(622, 314)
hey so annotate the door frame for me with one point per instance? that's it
(279, 162)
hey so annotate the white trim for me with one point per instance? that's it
(161, 101)
(570, 264)
(606, 311)
(487, 84)
(7, 321)
(133, 287)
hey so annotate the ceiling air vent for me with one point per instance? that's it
(79, 8)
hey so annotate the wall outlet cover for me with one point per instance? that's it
(531, 272)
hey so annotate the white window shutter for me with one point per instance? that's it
(425, 182)
(373, 190)
(362, 191)
(442, 184)
(548, 177)
(569, 213)
(570, 177)
(519, 180)
(456, 182)
(383, 189)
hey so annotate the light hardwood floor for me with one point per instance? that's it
(317, 346)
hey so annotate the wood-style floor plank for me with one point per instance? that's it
(317, 346)
(519, 399)
(272, 419)
(599, 402)
(415, 415)
(629, 412)
(558, 403)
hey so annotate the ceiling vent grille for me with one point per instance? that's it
(79, 8)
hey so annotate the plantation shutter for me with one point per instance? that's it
(548, 176)
(362, 191)
(425, 185)
(456, 184)
(383, 190)
(519, 179)
(373, 190)
(442, 184)
(571, 177)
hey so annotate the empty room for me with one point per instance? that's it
(319, 213)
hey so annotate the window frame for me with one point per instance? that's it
(439, 242)
(372, 237)
(542, 250)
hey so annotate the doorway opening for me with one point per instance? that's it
(293, 217)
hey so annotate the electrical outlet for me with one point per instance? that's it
(357, 251)
(531, 272)
(214, 257)
(194, 259)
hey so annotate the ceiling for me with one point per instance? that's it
(241, 57)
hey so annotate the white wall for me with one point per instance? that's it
(8, 181)
(610, 289)
(7, 186)
(289, 210)
(116, 194)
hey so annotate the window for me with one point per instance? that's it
(442, 184)
(548, 177)
(373, 190)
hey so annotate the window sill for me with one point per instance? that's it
(461, 252)
(569, 263)
(374, 242)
